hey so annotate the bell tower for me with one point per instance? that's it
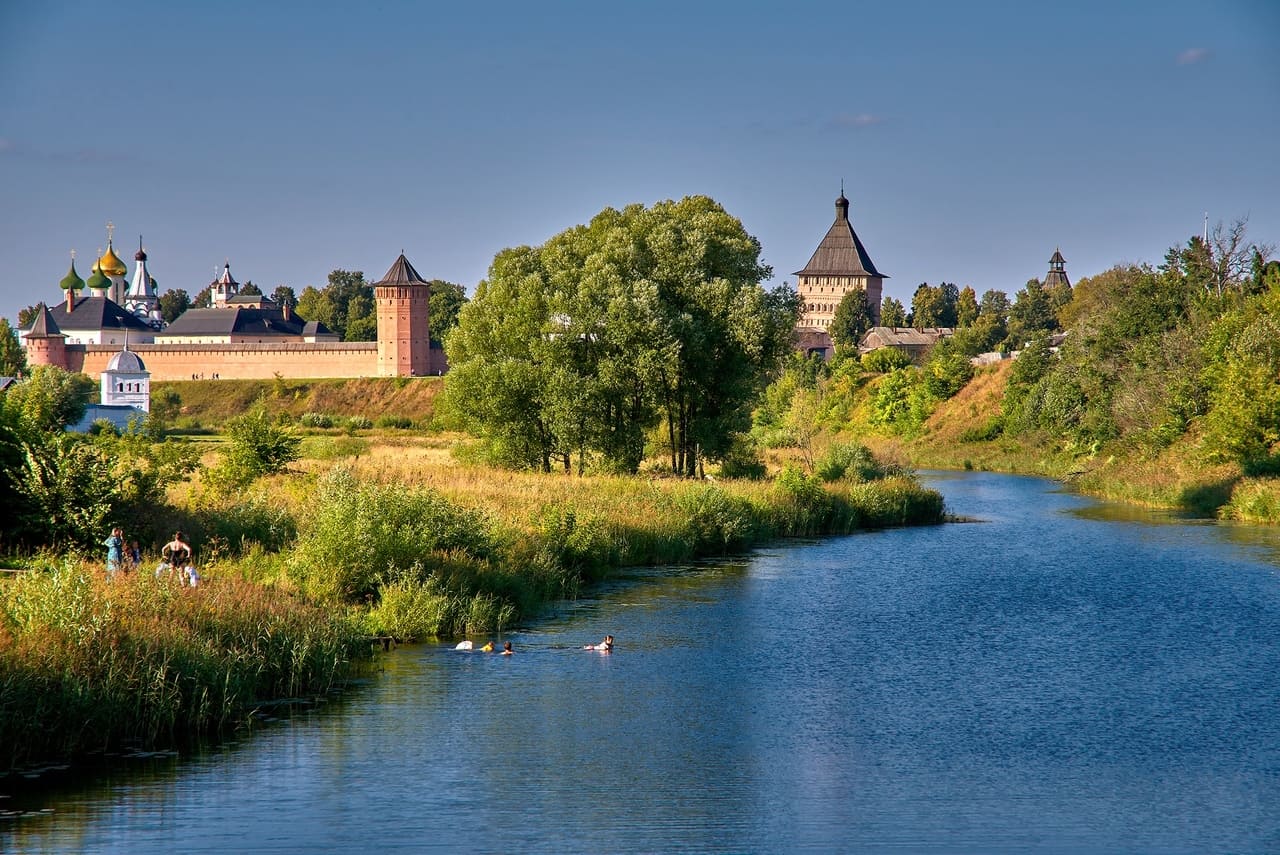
(404, 339)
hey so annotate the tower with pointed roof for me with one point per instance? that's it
(404, 329)
(223, 288)
(839, 265)
(1057, 274)
(45, 342)
(142, 299)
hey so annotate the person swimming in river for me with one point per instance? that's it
(506, 648)
(605, 646)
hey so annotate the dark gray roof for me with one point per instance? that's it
(126, 361)
(6, 382)
(1057, 258)
(402, 273)
(238, 320)
(841, 253)
(44, 325)
(315, 328)
(254, 299)
(95, 313)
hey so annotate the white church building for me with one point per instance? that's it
(125, 393)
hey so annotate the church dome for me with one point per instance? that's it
(126, 361)
(72, 281)
(110, 263)
(98, 281)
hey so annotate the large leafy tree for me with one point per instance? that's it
(173, 303)
(27, 316)
(643, 317)
(345, 305)
(447, 300)
(966, 307)
(49, 399)
(851, 320)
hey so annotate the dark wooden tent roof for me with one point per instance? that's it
(841, 253)
(401, 273)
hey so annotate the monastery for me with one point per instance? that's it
(240, 336)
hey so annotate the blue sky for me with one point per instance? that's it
(295, 138)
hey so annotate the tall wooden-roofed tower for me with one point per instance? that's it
(839, 265)
(404, 323)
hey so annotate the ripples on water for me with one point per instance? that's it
(1046, 681)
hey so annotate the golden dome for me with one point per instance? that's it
(110, 263)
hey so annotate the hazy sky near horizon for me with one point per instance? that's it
(296, 138)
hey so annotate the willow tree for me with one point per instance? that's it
(644, 317)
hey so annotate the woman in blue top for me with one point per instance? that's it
(115, 550)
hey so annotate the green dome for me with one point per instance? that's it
(98, 281)
(72, 281)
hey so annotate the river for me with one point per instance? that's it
(1057, 676)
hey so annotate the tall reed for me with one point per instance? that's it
(88, 663)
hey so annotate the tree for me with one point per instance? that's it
(995, 305)
(316, 305)
(851, 320)
(256, 446)
(284, 297)
(447, 300)
(49, 399)
(173, 303)
(1031, 316)
(27, 316)
(927, 306)
(13, 359)
(892, 313)
(966, 307)
(643, 317)
(250, 289)
(203, 299)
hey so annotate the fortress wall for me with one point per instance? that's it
(238, 361)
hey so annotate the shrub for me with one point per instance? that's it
(885, 359)
(359, 423)
(852, 461)
(393, 422)
(316, 420)
(354, 535)
(256, 446)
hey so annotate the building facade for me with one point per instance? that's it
(241, 338)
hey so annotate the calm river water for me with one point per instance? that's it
(1058, 677)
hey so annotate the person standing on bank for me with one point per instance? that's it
(115, 551)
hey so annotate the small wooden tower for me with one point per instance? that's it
(1057, 274)
(404, 323)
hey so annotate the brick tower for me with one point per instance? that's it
(404, 339)
(46, 345)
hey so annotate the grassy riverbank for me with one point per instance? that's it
(1181, 476)
(376, 534)
(88, 663)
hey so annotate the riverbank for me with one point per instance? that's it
(376, 538)
(963, 434)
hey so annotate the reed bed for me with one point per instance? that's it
(89, 663)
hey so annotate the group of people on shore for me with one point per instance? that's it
(121, 556)
(176, 555)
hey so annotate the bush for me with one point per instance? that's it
(394, 422)
(256, 446)
(885, 359)
(717, 522)
(852, 461)
(359, 423)
(355, 535)
(316, 420)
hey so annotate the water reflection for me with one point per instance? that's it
(1055, 679)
